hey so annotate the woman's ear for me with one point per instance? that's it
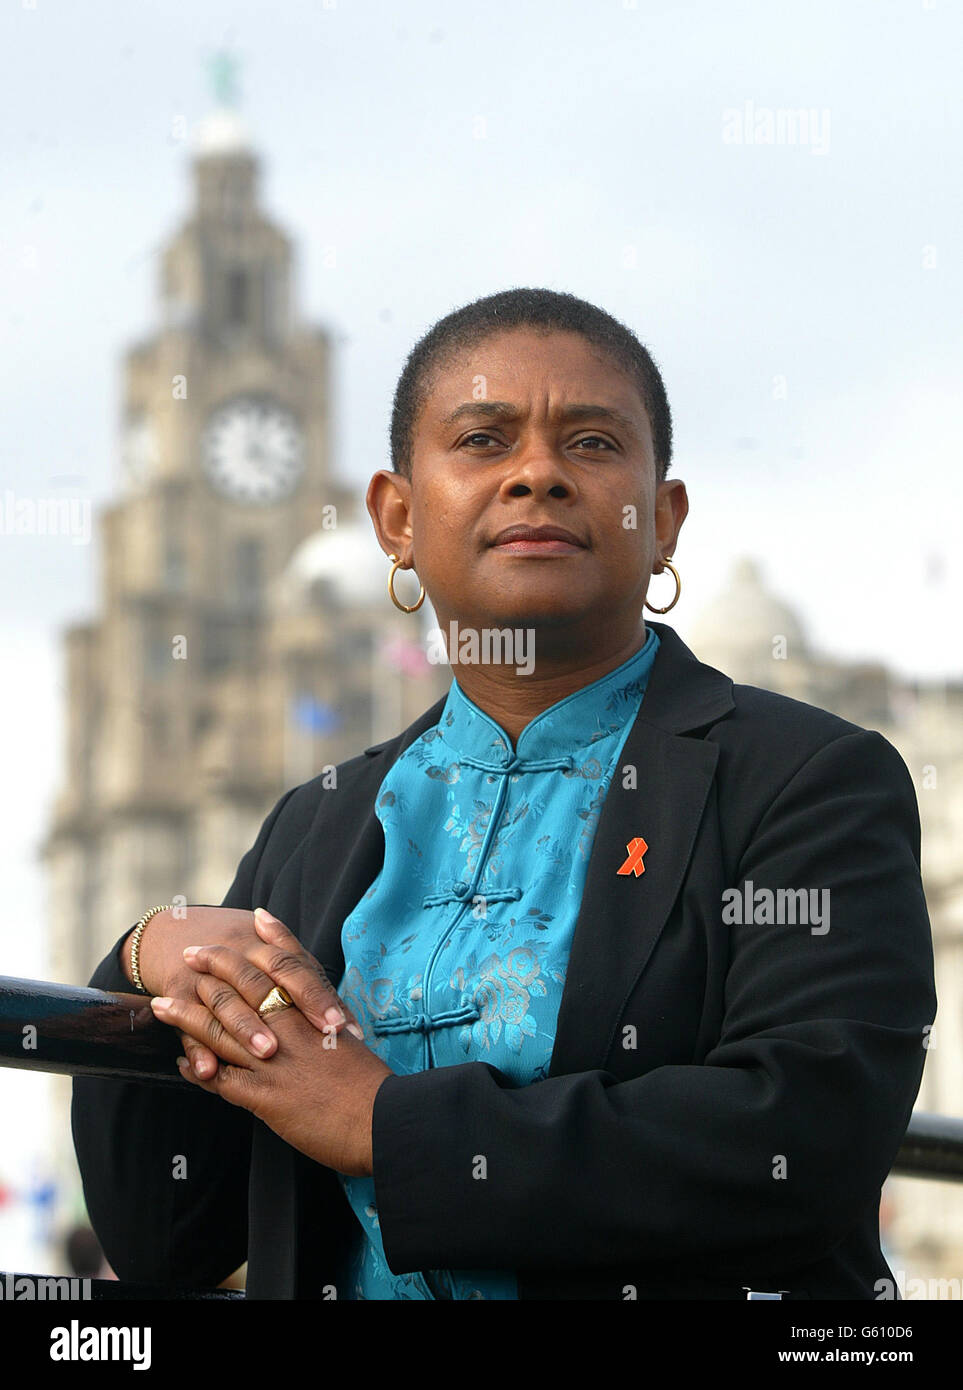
(671, 510)
(388, 500)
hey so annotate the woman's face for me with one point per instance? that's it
(533, 429)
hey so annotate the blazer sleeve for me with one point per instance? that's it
(764, 1155)
(132, 1139)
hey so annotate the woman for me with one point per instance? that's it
(635, 963)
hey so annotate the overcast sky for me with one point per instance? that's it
(803, 298)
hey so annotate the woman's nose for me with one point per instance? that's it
(539, 466)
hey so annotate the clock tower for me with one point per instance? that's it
(179, 695)
(226, 407)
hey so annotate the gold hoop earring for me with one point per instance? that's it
(391, 590)
(678, 590)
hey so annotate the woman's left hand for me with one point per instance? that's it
(317, 1090)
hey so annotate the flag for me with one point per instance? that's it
(405, 655)
(310, 714)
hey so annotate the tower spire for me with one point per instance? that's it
(223, 132)
(223, 69)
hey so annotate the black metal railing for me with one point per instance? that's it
(84, 1032)
(90, 1032)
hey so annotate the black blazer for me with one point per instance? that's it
(725, 1098)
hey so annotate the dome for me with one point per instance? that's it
(348, 563)
(739, 625)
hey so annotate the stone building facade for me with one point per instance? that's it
(758, 640)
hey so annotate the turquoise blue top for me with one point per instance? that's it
(458, 951)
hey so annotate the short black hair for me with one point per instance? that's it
(526, 308)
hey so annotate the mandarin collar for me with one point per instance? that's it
(573, 724)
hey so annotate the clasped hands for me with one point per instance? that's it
(305, 1071)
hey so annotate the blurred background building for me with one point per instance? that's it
(758, 640)
(246, 640)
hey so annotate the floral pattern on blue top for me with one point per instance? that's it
(458, 951)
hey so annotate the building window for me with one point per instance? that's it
(237, 298)
(160, 731)
(175, 566)
(272, 289)
(158, 653)
(247, 573)
(218, 646)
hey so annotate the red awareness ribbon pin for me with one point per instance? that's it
(634, 865)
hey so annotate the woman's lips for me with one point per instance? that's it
(530, 547)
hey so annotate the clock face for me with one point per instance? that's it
(253, 450)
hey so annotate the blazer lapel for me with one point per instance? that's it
(336, 876)
(622, 915)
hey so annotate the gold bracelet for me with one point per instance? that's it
(135, 945)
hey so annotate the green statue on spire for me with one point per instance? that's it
(223, 68)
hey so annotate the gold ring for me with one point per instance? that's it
(274, 1002)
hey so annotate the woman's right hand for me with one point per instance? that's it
(165, 972)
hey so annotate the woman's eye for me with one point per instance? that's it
(479, 439)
